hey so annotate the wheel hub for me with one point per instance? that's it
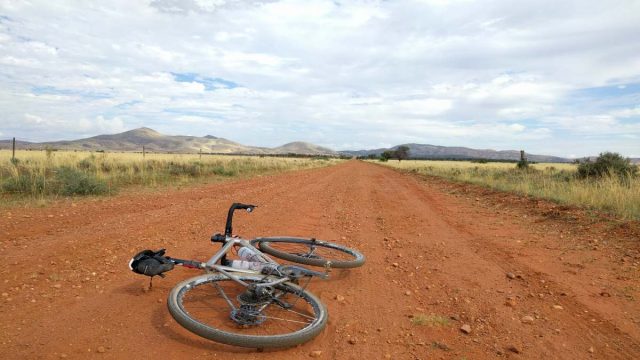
(247, 315)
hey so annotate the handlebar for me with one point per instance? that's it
(228, 230)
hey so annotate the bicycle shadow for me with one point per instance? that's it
(139, 287)
(169, 328)
(337, 275)
(162, 321)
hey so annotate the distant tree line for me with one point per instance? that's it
(400, 153)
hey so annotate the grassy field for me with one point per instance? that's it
(555, 182)
(38, 174)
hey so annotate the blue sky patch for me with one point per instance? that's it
(209, 83)
(609, 91)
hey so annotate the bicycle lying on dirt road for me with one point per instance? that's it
(252, 301)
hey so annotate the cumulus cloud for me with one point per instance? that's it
(357, 74)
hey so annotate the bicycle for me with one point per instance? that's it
(252, 301)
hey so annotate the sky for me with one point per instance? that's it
(551, 77)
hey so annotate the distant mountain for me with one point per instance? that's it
(299, 147)
(423, 151)
(154, 141)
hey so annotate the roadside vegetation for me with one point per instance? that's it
(37, 174)
(610, 183)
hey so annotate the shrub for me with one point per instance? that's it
(87, 163)
(178, 169)
(523, 164)
(222, 171)
(74, 182)
(607, 163)
(24, 183)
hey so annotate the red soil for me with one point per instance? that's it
(466, 255)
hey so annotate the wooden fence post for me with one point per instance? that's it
(13, 152)
(143, 153)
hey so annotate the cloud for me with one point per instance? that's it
(365, 73)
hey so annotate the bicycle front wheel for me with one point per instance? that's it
(220, 309)
(310, 251)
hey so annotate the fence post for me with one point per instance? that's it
(13, 152)
(143, 153)
(200, 153)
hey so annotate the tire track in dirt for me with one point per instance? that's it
(476, 254)
(433, 263)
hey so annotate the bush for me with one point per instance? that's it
(74, 182)
(25, 183)
(607, 163)
(523, 164)
(88, 163)
(179, 169)
(223, 171)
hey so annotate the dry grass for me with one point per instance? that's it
(430, 320)
(62, 173)
(555, 182)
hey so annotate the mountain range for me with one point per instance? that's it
(154, 141)
(424, 151)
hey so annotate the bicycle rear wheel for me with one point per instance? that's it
(218, 308)
(310, 251)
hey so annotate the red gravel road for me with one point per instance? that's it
(448, 255)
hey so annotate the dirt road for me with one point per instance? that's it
(529, 281)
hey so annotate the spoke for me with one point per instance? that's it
(271, 319)
(224, 295)
(299, 296)
(301, 314)
(294, 321)
(281, 295)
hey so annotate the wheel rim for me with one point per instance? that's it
(204, 301)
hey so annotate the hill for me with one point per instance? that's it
(134, 140)
(299, 147)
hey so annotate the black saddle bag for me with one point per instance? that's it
(151, 263)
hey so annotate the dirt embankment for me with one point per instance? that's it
(530, 280)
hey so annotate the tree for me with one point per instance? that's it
(607, 163)
(402, 153)
(523, 164)
(386, 155)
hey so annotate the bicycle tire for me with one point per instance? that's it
(183, 316)
(337, 252)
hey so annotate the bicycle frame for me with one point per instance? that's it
(218, 262)
(211, 265)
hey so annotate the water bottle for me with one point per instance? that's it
(249, 254)
(247, 265)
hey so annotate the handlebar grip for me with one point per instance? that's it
(243, 206)
(218, 238)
